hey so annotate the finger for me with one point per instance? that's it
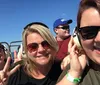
(74, 56)
(7, 65)
(2, 73)
(70, 44)
(15, 54)
(4, 80)
(83, 60)
(14, 69)
(20, 52)
(19, 55)
(16, 63)
(16, 59)
(72, 51)
(76, 65)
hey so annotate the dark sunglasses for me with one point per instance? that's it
(64, 27)
(89, 32)
(34, 46)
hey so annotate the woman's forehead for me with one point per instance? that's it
(90, 17)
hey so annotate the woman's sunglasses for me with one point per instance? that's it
(89, 32)
(34, 46)
(64, 27)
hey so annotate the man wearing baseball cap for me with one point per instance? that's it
(62, 29)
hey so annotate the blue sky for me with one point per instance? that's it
(15, 14)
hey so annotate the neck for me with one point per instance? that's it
(61, 38)
(95, 66)
(41, 71)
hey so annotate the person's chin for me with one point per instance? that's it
(67, 35)
(98, 62)
(43, 62)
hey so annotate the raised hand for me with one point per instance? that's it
(5, 73)
(16, 57)
(78, 59)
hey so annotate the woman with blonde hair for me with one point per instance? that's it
(39, 66)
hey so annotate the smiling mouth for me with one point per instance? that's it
(97, 48)
(46, 54)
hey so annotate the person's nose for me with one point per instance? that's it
(40, 48)
(97, 38)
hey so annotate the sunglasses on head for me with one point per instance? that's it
(89, 32)
(36, 23)
(64, 27)
(34, 46)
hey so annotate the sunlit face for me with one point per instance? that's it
(40, 56)
(91, 17)
(62, 33)
(2, 56)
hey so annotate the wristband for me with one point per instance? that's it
(72, 79)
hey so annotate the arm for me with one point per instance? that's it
(77, 65)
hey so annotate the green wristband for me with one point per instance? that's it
(72, 79)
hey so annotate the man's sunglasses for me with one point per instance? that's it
(64, 27)
(89, 32)
(34, 46)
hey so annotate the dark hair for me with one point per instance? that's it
(2, 47)
(39, 23)
(84, 5)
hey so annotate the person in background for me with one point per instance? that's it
(2, 56)
(39, 66)
(62, 29)
(85, 67)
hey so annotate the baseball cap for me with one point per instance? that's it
(61, 21)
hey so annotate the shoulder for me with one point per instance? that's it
(90, 77)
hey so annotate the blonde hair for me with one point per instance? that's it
(46, 34)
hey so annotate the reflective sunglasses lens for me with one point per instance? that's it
(89, 35)
(88, 32)
(32, 47)
(45, 44)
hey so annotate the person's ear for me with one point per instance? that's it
(56, 30)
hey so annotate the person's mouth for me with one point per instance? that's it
(97, 49)
(46, 55)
